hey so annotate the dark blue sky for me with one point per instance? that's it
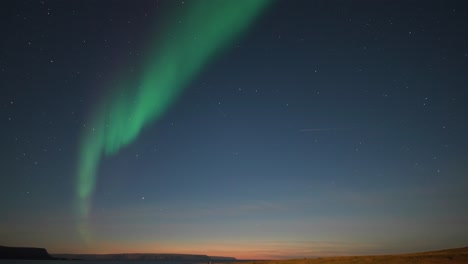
(330, 127)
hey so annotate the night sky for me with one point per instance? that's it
(245, 128)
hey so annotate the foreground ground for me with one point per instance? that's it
(453, 256)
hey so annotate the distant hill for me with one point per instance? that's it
(452, 251)
(23, 253)
(144, 256)
(452, 256)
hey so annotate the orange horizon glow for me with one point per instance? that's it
(251, 251)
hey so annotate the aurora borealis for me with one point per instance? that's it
(172, 64)
(251, 129)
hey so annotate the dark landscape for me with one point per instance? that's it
(31, 253)
(454, 256)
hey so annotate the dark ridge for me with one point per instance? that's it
(23, 253)
(148, 256)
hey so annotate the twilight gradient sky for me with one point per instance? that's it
(253, 128)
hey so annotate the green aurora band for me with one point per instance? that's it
(208, 27)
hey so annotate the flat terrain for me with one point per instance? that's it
(453, 256)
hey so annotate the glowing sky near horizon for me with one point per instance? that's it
(207, 28)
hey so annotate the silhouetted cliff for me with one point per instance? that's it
(23, 253)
